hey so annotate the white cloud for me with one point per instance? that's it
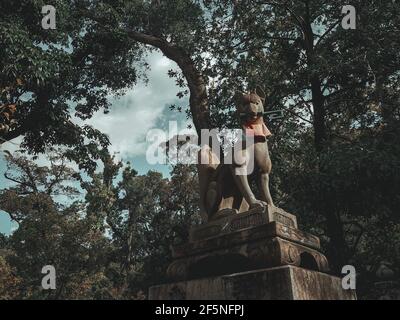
(131, 116)
(139, 110)
(12, 145)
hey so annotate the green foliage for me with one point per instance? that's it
(145, 215)
(335, 155)
(339, 90)
(73, 68)
(8, 280)
(51, 233)
(114, 245)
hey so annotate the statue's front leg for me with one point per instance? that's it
(263, 162)
(240, 174)
(204, 180)
(207, 164)
(264, 184)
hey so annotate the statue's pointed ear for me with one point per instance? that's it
(260, 92)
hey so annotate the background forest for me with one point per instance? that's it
(108, 229)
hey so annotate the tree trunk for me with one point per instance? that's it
(198, 94)
(318, 101)
(337, 247)
(334, 227)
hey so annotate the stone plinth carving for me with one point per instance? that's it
(259, 238)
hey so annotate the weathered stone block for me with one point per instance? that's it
(281, 283)
(268, 230)
(263, 246)
(249, 255)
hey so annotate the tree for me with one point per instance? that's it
(177, 28)
(47, 76)
(145, 215)
(52, 233)
(332, 83)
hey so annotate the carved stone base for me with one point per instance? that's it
(282, 283)
(248, 242)
(264, 246)
(255, 239)
(230, 221)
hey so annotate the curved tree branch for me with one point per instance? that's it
(197, 85)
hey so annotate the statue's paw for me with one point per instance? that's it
(258, 204)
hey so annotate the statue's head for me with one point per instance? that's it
(250, 106)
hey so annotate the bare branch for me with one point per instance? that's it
(299, 116)
(326, 33)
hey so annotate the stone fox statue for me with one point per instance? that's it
(221, 187)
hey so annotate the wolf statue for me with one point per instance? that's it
(225, 188)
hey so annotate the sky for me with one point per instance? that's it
(141, 109)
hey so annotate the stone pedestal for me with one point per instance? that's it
(257, 254)
(281, 283)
